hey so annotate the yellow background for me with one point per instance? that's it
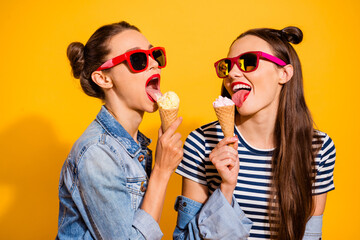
(43, 110)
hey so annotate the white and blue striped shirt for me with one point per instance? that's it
(253, 185)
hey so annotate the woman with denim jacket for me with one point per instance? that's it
(272, 183)
(107, 187)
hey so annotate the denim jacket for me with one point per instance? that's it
(217, 219)
(102, 184)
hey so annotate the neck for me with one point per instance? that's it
(128, 118)
(258, 129)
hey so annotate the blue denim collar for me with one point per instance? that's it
(114, 128)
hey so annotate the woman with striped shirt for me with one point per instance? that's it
(273, 182)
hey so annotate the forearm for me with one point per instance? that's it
(153, 201)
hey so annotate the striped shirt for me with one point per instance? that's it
(253, 184)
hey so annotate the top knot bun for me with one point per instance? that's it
(75, 53)
(292, 34)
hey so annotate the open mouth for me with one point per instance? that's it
(241, 92)
(152, 87)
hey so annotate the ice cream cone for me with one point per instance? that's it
(168, 116)
(168, 109)
(226, 117)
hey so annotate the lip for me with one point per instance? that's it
(238, 83)
(154, 77)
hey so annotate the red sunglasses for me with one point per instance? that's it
(137, 60)
(246, 62)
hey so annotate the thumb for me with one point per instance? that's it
(160, 133)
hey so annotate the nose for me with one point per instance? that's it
(235, 72)
(152, 62)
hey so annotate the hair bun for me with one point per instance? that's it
(75, 53)
(292, 34)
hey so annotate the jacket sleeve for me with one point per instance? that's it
(216, 219)
(107, 201)
(313, 228)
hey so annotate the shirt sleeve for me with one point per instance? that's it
(107, 202)
(192, 165)
(216, 219)
(325, 161)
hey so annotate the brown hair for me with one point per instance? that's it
(293, 173)
(86, 59)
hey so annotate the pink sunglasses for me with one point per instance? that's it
(246, 62)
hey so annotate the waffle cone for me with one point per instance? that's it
(168, 116)
(226, 117)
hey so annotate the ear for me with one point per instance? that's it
(102, 80)
(286, 74)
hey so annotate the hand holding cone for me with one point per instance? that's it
(225, 112)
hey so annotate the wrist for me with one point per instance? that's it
(227, 190)
(160, 174)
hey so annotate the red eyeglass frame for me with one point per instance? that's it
(126, 57)
(258, 55)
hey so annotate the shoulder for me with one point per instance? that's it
(326, 152)
(200, 137)
(206, 130)
(213, 126)
(324, 142)
(94, 144)
(90, 137)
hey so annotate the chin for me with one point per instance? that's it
(152, 109)
(243, 111)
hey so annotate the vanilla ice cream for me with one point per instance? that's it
(169, 100)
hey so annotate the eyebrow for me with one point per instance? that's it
(135, 48)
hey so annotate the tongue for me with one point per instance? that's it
(153, 94)
(239, 97)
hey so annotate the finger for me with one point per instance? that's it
(231, 164)
(223, 164)
(175, 137)
(176, 141)
(226, 141)
(236, 144)
(225, 156)
(180, 153)
(224, 152)
(179, 144)
(226, 162)
(170, 131)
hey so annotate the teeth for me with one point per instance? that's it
(241, 86)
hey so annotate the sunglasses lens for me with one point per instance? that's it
(138, 61)
(248, 62)
(159, 57)
(223, 68)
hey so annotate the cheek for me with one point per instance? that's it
(227, 84)
(267, 77)
(266, 85)
(119, 72)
